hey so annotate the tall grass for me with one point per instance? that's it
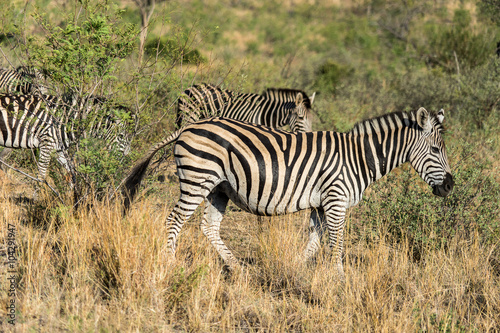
(94, 270)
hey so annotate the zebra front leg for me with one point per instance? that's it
(335, 217)
(215, 206)
(63, 159)
(43, 161)
(316, 229)
(43, 165)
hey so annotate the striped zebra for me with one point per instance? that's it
(23, 80)
(52, 124)
(272, 172)
(277, 107)
(274, 107)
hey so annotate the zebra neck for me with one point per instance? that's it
(275, 113)
(384, 143)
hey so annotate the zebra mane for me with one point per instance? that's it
(398, 117)
(289, 94)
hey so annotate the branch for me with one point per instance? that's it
(35, 179)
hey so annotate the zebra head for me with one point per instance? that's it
(428, 156)
(300, 117)
(36, 77)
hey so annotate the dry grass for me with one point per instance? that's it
(95, 271)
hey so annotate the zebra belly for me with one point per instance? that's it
(272, 206)
(18, 142)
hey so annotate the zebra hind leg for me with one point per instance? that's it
(316, 228)
(215, 206)
(335, 223)
(182, 211)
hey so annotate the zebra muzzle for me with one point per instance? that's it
(445, 188)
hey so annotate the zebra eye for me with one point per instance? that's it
(435, 150)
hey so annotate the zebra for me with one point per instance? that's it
(273, 108)
(267, 171)
(29, 121)
(23, 80)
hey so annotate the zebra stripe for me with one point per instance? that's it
(30, 121)
(24, 80)
(271, 172)
(274, 108)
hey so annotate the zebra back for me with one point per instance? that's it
(27, 121)
(275, 107)
(201, 101)
(24, 80)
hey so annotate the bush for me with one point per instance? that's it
(403, 207)
(329, 75)
(472, 97)
(176, 50)
(459, 45)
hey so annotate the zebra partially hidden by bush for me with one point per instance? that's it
(271, 172)
(24, 80)
(52, 124)
(275, 108)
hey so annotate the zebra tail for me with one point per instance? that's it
(133, 179)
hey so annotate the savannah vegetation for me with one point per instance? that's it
(413, 262)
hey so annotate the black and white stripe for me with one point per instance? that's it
(271, 172)
(274, 107)
(52, 124)
(23, 80)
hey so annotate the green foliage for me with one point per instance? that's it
(459, 44)
(443, 322)
(329, 75)
(491, 10)
(97, 164)
(402, 206)
(182, 286)
(82, 53)
(471, 98)
(176, 50)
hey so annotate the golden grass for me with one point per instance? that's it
(97, 271)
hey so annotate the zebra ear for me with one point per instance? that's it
(440, 116)
(312, 98)
(423, 119)
(299, 99)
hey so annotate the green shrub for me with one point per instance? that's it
(329, 75)
(402, 206)
(176, 50)
(471, 98)
(459, 45)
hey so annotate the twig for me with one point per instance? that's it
(35, 179)
(456, 61)
(1, 50)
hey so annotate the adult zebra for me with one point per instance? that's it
(275, 108)
(271, 172)
(23, 80)
(52, 124)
